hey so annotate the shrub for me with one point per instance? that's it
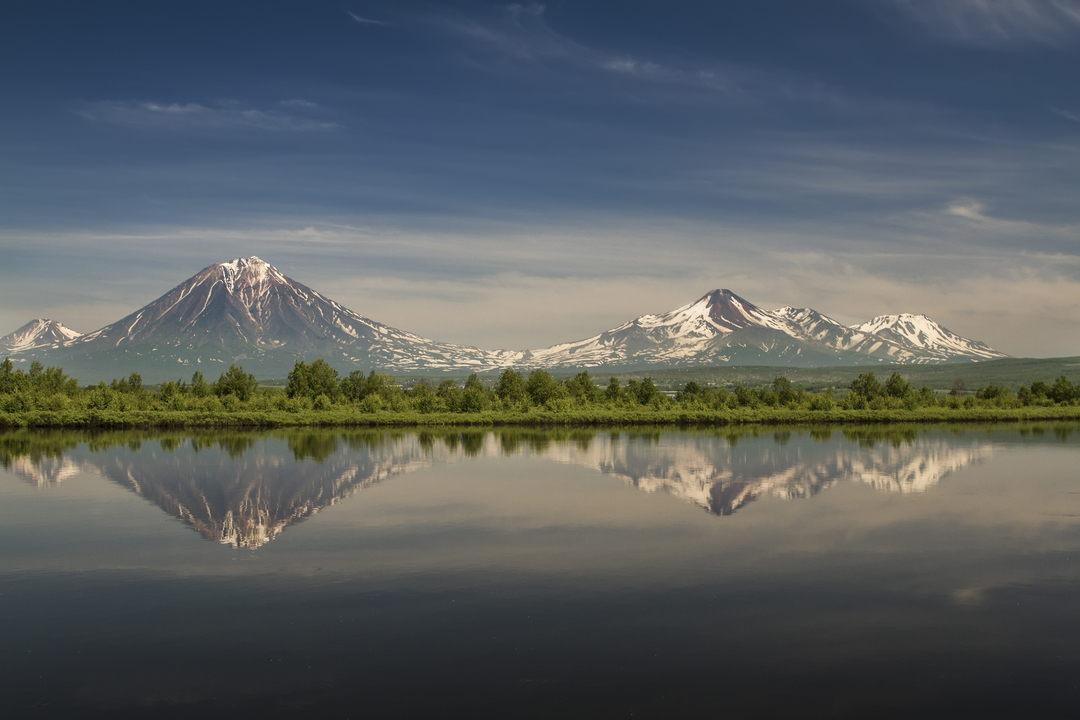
(298, 404)
(17, 403)
(235, 381)
(424, 400)
(511, 386)
(56, 403)
(559, 405)
(371, 404)
(541, 387)
(474, 399)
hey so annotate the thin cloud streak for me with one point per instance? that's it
(364, 20)
(1067, 114)
(998, 22)
(521, 34)
(196, 117)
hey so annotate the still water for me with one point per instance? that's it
(845, 572)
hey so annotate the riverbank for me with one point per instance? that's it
(353, 416)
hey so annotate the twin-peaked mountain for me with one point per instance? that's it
(247, 311)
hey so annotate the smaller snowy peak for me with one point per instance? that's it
(916, 330)
(919, 331)
(798, 314)
(818, 326)
(37, 333)
(908, 322)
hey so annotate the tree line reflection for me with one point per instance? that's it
(243, 488)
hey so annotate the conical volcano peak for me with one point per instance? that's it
(727, 311)
(720, 295)
(248, 272)
(726, 298)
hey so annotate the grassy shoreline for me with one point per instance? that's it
(351, 416)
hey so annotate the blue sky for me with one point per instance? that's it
(519, 175)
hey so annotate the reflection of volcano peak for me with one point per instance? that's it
(248, 501)
(45, 470)
(723, 479)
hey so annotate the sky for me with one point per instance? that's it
(517, 175)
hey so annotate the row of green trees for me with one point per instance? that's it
(51, 389)
(318, 386)
(321, 384)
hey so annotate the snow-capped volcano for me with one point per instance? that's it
(42, 332)
(247, 309)
(723, 328)
(693, 333)
(720, 311)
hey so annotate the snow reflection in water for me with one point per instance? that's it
(245, 489)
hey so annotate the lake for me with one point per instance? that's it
(836, 572)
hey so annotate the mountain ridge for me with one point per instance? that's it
(247, 311)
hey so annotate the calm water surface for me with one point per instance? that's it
(861, 572)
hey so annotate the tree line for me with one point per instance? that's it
(317, 386)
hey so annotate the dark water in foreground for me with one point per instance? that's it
(859, 572)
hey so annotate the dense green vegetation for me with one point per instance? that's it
(315, 394)
(1007, 372)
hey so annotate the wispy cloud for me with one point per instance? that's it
(977, 215)
(1067, 114)
(364, 20)
(521, 33)
(998, 22)
(288, 116)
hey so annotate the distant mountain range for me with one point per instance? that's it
(246, 311)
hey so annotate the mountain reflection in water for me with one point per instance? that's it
(245, 489)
